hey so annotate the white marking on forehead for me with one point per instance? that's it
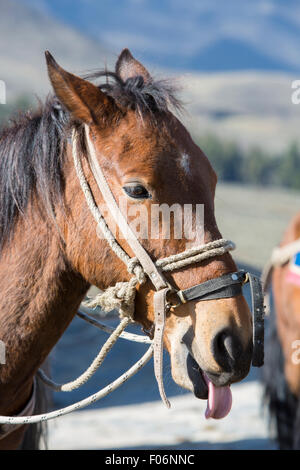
(185, 163)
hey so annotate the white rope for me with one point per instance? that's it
(109, 237)
(196, 254)
(86, 401)
(109, 329)
(119, 297)
(280, 256)
(132, 264)
(89, 372)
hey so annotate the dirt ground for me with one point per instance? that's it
(151, 426)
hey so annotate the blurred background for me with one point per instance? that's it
(235, 63)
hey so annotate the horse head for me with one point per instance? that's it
(150, 161)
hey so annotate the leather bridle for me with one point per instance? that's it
(229, 285)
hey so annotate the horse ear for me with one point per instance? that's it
(127, 67)
(83, 99)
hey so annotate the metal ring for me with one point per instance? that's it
(181, 296)
(172, 290)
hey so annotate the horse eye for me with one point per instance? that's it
(137, 191)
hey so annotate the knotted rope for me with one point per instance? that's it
(195, 254)
(122, 296)
(86, 401)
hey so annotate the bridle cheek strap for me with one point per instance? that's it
(138, 250)
(258, 309)
(160, 307)
(160, 284)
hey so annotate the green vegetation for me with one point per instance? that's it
(253, 166)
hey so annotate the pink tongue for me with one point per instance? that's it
(219, 400)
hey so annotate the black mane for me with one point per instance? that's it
(152, 97)
(31, 159)
(32, 148)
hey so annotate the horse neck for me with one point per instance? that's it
(40, 296)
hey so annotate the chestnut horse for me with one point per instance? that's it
(282, 359)
(50, 251)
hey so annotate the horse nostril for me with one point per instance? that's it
(232, 347)
(227, 350)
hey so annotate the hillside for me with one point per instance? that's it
(25, 33)
(252, 108)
